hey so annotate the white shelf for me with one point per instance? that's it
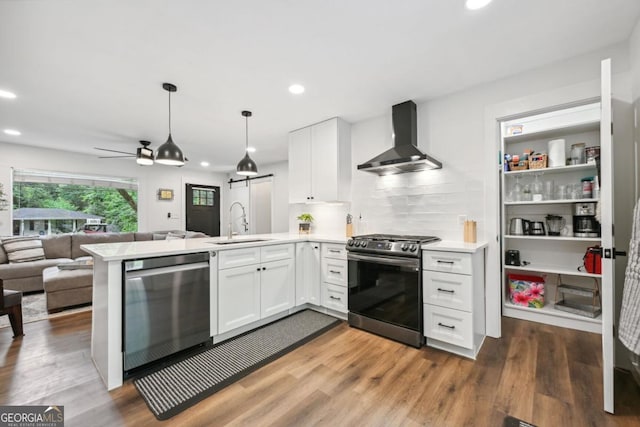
(550, 202)
(552, 269)
(559, 169)
(556, 238)
(587, 126)
(549, 315)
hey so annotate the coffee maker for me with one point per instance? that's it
(584, 220)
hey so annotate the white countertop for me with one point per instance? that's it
(152, 248)
(454, 246)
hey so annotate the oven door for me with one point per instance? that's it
(386, 288)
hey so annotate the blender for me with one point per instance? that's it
(555, 224)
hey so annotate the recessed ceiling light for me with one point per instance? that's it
(12, 132)
(296, 89)
(476, 4)
(204, 164)
(251, 149)
(7, 94)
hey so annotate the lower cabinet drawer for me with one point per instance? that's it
(334, 271)
(447, 290)
(334, 297)
(448, 325)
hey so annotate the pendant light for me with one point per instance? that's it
(144, 154)
(169, 153)
(247, 167)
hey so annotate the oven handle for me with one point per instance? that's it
(402, 262)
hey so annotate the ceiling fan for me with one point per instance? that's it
(143, 155)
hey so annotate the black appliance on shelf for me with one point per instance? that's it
(385, 285)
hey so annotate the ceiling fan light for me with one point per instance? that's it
(247, 167)
(169, 154)
(144, 156)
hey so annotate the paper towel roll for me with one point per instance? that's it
(556, 153)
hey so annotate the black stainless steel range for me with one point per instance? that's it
(385, 285)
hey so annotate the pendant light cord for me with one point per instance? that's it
(169, 112)
(246, 121)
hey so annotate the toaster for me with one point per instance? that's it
(512, 257)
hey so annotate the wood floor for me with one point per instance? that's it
(544, 375)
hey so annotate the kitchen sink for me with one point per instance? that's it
(231, 241)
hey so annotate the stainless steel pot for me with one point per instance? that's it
(536, 228)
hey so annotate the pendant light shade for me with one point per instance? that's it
(247, 167)
(144, 154)
(169, 153)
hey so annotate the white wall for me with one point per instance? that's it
(634, 56)
(152, 213)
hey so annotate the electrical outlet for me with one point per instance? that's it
(461, 219)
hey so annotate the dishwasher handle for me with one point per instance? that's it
(165, 270)
(165, 261)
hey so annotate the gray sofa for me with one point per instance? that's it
(60, 248)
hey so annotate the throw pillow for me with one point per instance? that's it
(23, 249)
(174, 236)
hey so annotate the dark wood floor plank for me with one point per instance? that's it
(345, 377)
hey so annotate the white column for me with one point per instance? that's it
(48, 227)
(22, 227)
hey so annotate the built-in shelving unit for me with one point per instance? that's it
(549, 257)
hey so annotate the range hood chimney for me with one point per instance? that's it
(405, 155)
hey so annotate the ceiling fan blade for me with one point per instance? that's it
(116, 157)
(115, 151)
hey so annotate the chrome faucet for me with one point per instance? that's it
(245, 224)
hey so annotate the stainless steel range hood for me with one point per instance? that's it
(405, 155)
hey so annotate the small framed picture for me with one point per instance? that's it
(165, 194)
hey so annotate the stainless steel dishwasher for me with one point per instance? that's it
(165, 308)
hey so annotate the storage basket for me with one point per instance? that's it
(526, 291)
(538, 161)
(521, 165)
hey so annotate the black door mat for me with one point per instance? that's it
(510, 421)
(175, 388)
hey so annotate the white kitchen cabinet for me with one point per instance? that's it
(277, 287)
(308, 273)
(453, 289)
(320, 162)
(259, 283)
(334, 272)
(238, 297)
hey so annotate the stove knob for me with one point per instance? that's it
(404, 247)
(358, 243)
(350, 242)
(413, 248)
(364, 244)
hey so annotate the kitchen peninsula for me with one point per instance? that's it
(235, 269)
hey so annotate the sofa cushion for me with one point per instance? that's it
(57, 246)
(140, 236)
(28, 269)
(23, 248)
(3, 254)
(55, 280)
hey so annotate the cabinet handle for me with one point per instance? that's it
(446, 290)
(315, 247)
(444, 262)
(332, 297)
(258, 269)
(334, 251)
(264, 268)
(446, 326)
(334, 272)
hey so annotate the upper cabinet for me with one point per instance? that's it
(320, 162)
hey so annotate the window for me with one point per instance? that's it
(52, 202)
(202, 197)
